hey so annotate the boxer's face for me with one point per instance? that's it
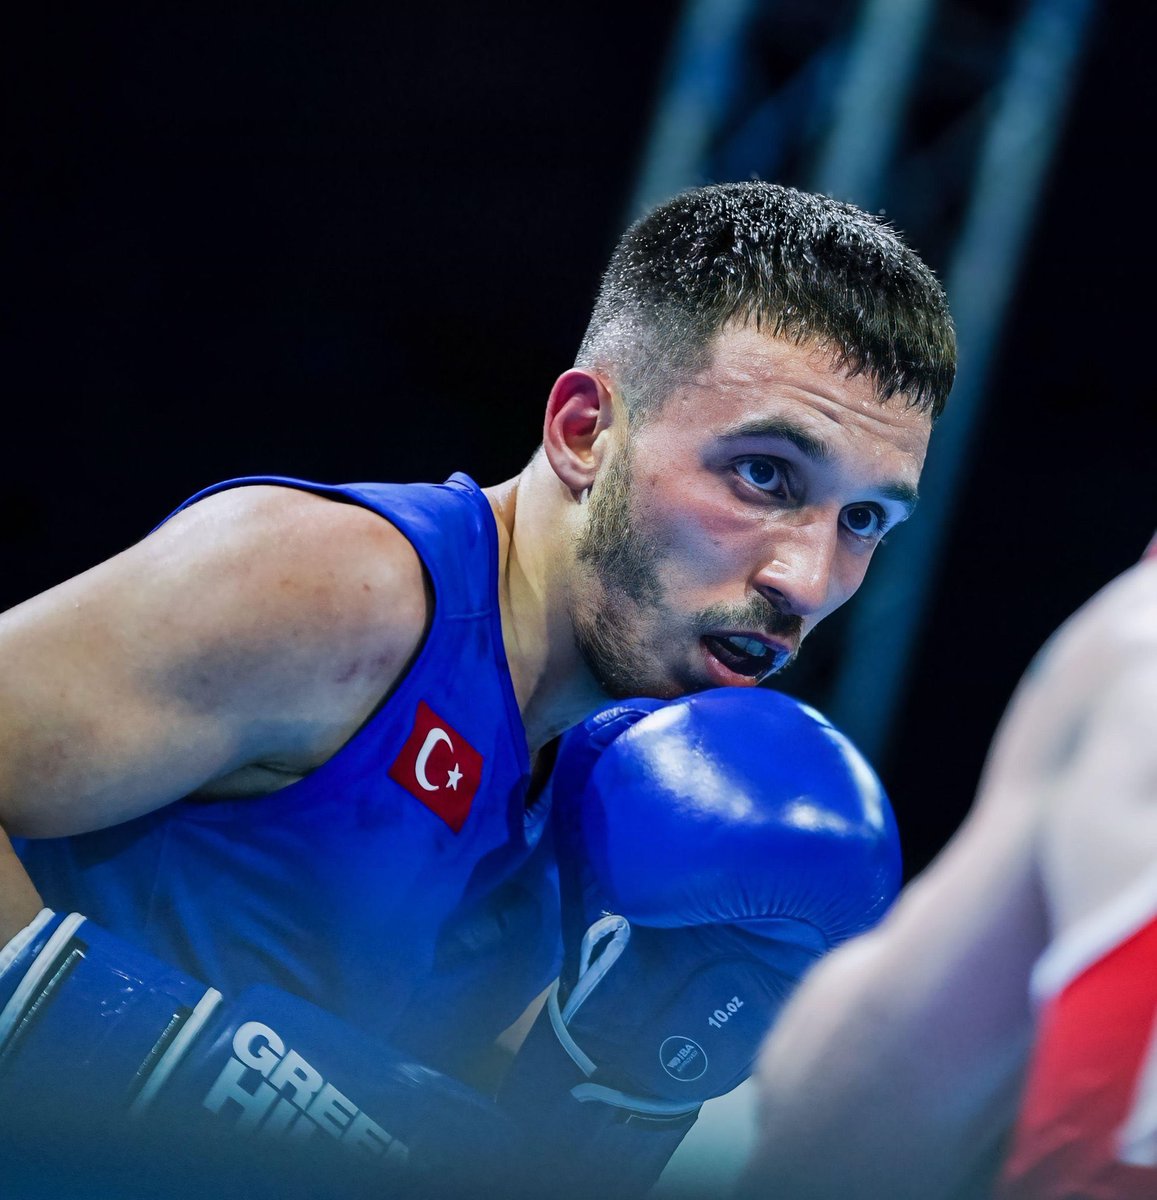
(738, 516)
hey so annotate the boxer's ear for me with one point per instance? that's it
(579, 415)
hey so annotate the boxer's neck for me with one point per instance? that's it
(536, 534)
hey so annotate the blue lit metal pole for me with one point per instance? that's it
(697, 97)
(871, 99)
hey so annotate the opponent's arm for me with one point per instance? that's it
(245, 640)
(895, 1070)
(709, 851)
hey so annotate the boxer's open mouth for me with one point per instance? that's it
(743, 655)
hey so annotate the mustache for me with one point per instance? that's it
(758, 614)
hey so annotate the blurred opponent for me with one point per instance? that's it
(995, 1036)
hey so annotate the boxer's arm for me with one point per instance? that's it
(895, 1070)
(19, 900)
(1101, 835)
(255, 630)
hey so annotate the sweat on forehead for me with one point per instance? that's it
(748, 362)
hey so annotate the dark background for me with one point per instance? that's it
(345, 242)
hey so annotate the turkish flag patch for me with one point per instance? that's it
(438, 766)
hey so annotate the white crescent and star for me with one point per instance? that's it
(436, 735)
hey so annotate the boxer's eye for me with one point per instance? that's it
(766, 474)
(865, 520)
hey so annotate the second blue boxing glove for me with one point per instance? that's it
(710, 850)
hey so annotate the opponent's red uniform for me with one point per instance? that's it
(1088, 1121)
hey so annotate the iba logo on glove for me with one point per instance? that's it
(438, 766)
(683, 1059)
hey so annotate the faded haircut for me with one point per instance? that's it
(804, 267)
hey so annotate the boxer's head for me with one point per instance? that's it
(751, 406)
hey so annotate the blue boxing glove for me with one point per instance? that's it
(109, 1057)
(710, 850)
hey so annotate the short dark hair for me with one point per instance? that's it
(803, 266)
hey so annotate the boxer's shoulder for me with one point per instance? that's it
(322, 564)
(1112, 629)
(1098, 662)
(321, 604)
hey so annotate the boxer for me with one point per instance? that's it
(295, 737)
(711, 849)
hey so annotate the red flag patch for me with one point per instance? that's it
(438, 766)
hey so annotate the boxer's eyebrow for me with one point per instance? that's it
(816, 450)
(784, 430)
(902, 493)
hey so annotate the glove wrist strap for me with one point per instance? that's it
(43, 962)
(176, 1050)
(611, 933)
(577, 1055)
(618, 930)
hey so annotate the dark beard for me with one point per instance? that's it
(626, 563)
(624, 560)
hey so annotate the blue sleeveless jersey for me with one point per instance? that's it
(403, 885)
